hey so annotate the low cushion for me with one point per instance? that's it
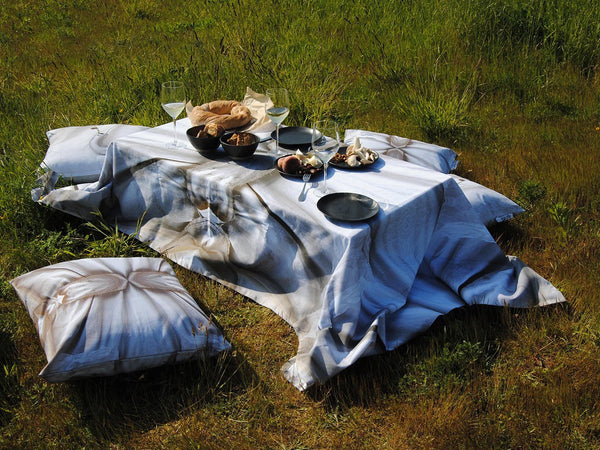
(104, 316)
(77, 153)
(492, 207)
(430, 156)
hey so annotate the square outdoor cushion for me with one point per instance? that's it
(430, 156)
(104, 316)
(77, 153)
(491, 206)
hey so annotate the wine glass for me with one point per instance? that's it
(325, 144)
(277, 109)
(172, 99)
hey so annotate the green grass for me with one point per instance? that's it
(511, 85)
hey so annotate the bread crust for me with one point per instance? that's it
(227, 113)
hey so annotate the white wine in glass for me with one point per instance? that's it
(325, 144)
(172, 99)
(277, 109)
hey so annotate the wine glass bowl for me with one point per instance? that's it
(277, 109)
(172, 99)
(325, 144)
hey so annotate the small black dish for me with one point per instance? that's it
(239, 152)
(203, 144)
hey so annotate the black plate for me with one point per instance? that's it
(343, 165)
(318, 170)
(348, 206)
(294, 138)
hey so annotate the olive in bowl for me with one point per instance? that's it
(240, 145)
(204, 138)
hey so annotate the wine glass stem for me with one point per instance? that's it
(325, 177)
(277, 139)
(174, 132)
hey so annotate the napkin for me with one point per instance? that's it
(257, 103)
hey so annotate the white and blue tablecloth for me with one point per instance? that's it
(348, 289)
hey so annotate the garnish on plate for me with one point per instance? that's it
(356, 155)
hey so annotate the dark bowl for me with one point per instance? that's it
(239, 152)
(202, 144)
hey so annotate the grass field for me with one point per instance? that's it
(512, 86)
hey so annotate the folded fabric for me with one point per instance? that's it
(104, 316)
(77, 153)
(256, 103)
(420, 153)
